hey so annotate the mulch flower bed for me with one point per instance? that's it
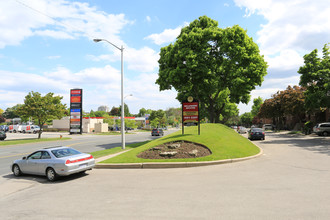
(176, 150)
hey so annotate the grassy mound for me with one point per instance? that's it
(223, 141)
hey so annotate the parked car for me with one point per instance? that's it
(322, 129)
(242, 130)
(3, 135)
(4, 128)
(256, 133)
(157, 132)
(268, 127)
(53, 162)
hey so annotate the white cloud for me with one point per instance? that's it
(54, 57)
(148, 19)
(299, 25)
(167, 36)
(70, 20)
(143, 60)
(286, 60)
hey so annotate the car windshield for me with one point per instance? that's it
(256, 130)
(65, 152)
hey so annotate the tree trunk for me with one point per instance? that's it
(40, 131)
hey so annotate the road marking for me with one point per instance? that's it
(14, 155)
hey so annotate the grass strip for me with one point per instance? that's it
(30, 140)
(102, 153)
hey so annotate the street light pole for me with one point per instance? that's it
(122, 91)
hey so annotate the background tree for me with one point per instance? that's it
(246, 119)
(315, 77)
(160, 117)
(126, 110)
(130, 123)
(289, 102)
(1, 111)
(100, 113)
(207, 62)
(42, 108)
(142, 112)
(109, 120)
(11, 112)
(174, 116)
(257, 102)
(115, 111)
(293, 101)
(229, 113)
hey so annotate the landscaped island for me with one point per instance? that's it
(221, 141)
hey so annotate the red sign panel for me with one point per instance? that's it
(78, 92)
(190, 112)
(76, 99)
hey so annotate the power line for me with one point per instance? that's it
(56, 21)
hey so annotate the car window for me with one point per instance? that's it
(35, 156)
(45, 155)
(65, 152)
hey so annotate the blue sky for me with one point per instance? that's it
(47, 45)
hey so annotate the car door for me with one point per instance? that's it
(43, 163)
(31, 163)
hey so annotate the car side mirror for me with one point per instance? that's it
(24, 158)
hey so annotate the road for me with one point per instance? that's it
(290, 181)
(85, 143)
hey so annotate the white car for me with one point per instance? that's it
(242, 130)
(53, 162)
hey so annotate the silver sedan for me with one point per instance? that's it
(53, 162)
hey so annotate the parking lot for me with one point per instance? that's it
(290, 181)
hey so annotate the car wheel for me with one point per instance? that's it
(23, 132)
(17, 170)
(325, 133)
(51, 174)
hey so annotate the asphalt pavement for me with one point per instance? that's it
(289, 181)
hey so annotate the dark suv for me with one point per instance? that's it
(157, 132)
(2, 135)
(322, 129)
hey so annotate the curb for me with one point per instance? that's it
(172, 165)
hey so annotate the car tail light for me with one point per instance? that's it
(78, 160)
(251, 133)
(263, 133)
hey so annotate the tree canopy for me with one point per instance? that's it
(208, 63)
(315, 76)
(283, 103)
(41, 108)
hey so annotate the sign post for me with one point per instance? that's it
(190, 114)
(76, 111)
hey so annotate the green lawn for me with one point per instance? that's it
(29, 140)
(223, 142)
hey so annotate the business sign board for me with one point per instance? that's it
(190, 113)
(76, 111)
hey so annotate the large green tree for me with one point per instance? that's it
(206, 61)
(315, 77)
(42, 108)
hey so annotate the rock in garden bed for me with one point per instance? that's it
(176, 150)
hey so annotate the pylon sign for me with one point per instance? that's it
(190, 114)
(76, 111)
